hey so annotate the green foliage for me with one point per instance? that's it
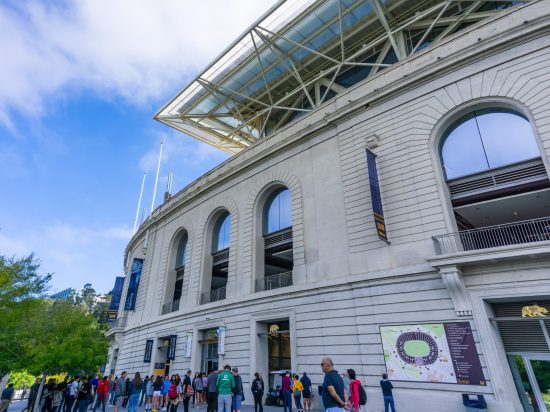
(21, 378)
(96, 304)
(20, 281)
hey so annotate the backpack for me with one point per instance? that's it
(173, 391)
(362, 395)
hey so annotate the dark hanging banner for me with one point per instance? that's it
(148, 351)
(133, 285)
(171, 355)
(375, 197)
(115, 299)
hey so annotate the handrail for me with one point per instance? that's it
(171, 307)
(213, 295)
(280, 280)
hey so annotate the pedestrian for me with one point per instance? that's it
(127, 394)
(120, 391)
(307, 392)
(102, 394)
(48, 396)
(57, 398)
(238, 391)
(73, 392)
(187, 391)
(173, 394)
(112, 384)
(286, 385)
(258, 392)
(33, 394)
(333, 393)
(149, 393)
(212, 391)
(225, 385)
(205, 388)
(143, 395)
(63, 388)
(387, 387)
(94, 381)
(7, 396)
(165, 387)
(134, 390)
(194, 383)
(84, 395)
(157, 393)
(198, 389)
(297, 389)
(354, 387)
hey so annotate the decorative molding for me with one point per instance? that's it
(454, 282)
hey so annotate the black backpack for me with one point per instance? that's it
(362, 395)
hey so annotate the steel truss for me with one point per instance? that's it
(287, 75)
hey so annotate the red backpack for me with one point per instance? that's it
(173, 391)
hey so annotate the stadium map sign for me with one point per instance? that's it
(439, 352)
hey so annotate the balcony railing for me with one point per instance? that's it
(528, 231)
(280, 280)
(213, 295)
(171, 307)
(118, 323)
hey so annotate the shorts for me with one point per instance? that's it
(199, 390)
(156, 393)
(119, 400)
(237, 401)
(306, 394)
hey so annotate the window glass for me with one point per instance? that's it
(485, 140)
(181, 256)
(279, 212)
(222, 235)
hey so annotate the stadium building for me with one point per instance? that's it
(387, 204)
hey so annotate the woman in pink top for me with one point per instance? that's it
(354, 385)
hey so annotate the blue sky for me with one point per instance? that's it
(79, 83)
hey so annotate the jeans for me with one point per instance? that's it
(258, 407)
(101, 403)
(388, 400)
(287, 401)
(69, 404)
(111, 397)
(298, 401)
(212, 399)
(186, 400)
(224, 403)
(132, 402)
(172, 406)
(83, 405)
(237, 401)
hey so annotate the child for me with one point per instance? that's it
(387, 392)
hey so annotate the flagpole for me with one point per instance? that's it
(139, 201)
(156, 179)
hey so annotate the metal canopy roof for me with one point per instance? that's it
(300, 54)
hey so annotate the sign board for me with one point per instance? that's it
(112, 313)
(148, 351)
(171, 354)
(187, 343)
(438, 353)
(159, 369)
(376, 198)
(133, 285)
(221, 340)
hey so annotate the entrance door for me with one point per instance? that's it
(532, 377)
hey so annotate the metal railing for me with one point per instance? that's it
(171, 307)
(280, 280)
(527, 231)
(118, 323)
(213, 295)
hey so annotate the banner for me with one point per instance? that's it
(376, 198)
(112, 313)
(221, 340)
(148, 351)
(439, 353)
(133, 285)
(159, 369)
(187, 343)
(171, 353)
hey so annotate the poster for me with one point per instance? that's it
(148, 351)
(159, 369)
(133, 285)
(115, 299)
(376, 198)
(171, 354)
(187, 345)
(438, 352)
(221, 340)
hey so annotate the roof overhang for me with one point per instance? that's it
(300, 54)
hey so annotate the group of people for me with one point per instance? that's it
(221, 391)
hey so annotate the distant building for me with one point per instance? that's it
(64, 294)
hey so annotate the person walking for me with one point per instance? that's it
(149, 393)
(157, 393)
(187, 391)
(143, 395)
(387, 387)
(354, 387)
(63, 388)
(306, 393)
(33, 394)
(102, 394)
(73, 392)
(238, 391)
(84, 395)
(333, 393)
(297, 389)
(225, 385)
(258, 392)
(194, 383)
(134, 390)
(173, 394)
(57, 398)
(120, 391)
(212, 392)
(286, 385)
(165, 387)
(7, 396)
(112, 383)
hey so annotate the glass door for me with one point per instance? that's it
(532, 377)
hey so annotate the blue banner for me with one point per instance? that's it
(148, 351)
(133, 285)
(376, 199)
(115, 299)
(171, 355)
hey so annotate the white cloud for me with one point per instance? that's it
(135, 49)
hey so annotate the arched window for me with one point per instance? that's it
(487, 139)
(181, 255)
(175, 276)
(221, 238)
(222, 233)
(277, 240)
(496, 178)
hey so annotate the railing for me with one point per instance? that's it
(528, 231)
(280, 280)
(171, 307)
(213, 295)
(118, 323)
